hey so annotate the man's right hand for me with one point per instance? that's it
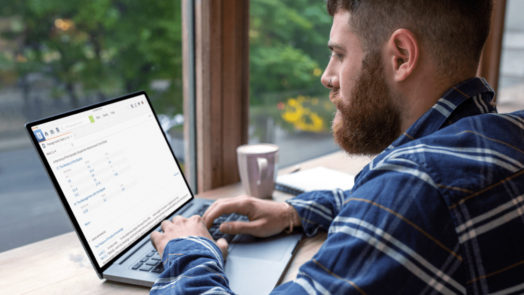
(266, 218)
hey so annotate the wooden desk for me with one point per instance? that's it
(59, 265)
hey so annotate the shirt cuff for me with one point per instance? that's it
(317, 209)
(179, 250)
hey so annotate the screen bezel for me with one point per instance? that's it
(99, 269)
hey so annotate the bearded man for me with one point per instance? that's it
(440, 209)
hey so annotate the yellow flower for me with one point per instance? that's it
(302, 118)
(293, 111)
(310, 122)
(317, 72)
(292, 102)
(291, 117)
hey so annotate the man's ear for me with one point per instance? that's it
(402, 53)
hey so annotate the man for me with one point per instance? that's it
(439, 210)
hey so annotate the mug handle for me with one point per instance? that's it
(262, 169)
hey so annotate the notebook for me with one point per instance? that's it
(118, 179)
(318, 178)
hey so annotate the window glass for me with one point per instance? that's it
(511, 82)
(288, 53)
(58, 55)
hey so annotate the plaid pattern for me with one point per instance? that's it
(441, 210)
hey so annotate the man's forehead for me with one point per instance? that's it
(341, 34)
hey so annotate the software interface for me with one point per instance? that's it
(116, 171)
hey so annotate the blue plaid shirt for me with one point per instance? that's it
(441, 210)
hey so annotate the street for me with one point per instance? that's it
(29, 206)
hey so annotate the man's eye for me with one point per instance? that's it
(337, 55)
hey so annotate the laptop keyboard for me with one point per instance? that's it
(152, 262)
(214, 231)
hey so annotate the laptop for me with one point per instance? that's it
(118, 179)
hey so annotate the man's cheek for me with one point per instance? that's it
(337, 121)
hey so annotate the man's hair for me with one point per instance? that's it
(452, 31)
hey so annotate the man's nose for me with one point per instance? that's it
(329, 80)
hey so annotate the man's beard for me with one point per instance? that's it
(370, 121)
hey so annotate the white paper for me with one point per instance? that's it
(319, 178)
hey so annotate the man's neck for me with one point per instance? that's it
(422, 94)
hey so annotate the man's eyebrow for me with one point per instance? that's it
(334, 45)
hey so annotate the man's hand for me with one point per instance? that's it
(266, 217)
(181, 227)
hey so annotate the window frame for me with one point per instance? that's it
(220, 98)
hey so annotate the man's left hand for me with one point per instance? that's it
(181, 227)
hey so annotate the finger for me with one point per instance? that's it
(215, 207)
(164, 225)
(196, 218)
(242, 227)
(223, 245)
(155, 237)
(233, 205)
(177, 218)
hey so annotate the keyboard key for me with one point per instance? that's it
(152, 263)
(217, 234)
(158, 269)
(136, 266)
(146, 268)
(202, 209)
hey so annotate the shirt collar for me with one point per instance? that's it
(451, 107)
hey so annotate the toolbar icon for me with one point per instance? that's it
(39, 135)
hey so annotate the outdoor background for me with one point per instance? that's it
(57, 55)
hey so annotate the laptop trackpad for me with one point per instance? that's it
(274, 249)
(253, 276)
(254, 266)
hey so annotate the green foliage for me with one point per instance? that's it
(288, 46)
(288, 51)
(290, 68)
(97, 48)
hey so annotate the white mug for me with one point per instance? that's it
(257, 167)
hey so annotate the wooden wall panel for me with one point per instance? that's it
(222, 83)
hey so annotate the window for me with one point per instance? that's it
(511, 81)
(55, 56)
(288, 53)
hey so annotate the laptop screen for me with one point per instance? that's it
(115, 170)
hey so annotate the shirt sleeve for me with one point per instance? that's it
(317, 209)
(192, 265)
(393, 234)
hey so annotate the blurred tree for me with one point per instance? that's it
(288, 48)
(97, 48)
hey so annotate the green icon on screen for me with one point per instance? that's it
(91, 119)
